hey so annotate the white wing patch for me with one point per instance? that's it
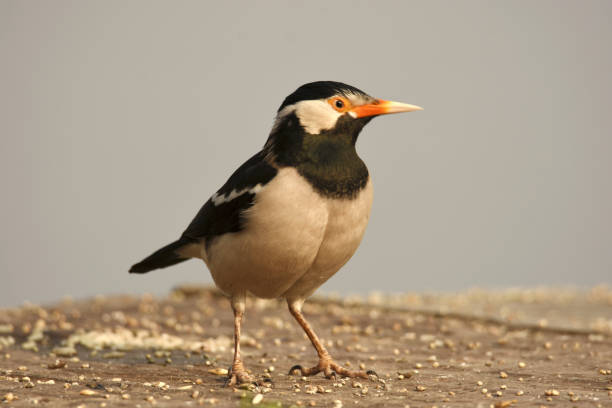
(219, 199)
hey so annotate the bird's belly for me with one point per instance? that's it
(346, 225)
(282, 234)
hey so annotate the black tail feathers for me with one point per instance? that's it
(162, 258)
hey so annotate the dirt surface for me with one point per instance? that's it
(498, 349)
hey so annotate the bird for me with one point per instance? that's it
(291, 216)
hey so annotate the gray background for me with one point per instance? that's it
(119, 119)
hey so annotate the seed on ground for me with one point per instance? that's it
(551, 393)
(88, 393)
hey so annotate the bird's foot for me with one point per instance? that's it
(237, 376)
(329, 368)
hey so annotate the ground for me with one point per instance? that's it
(476, 349)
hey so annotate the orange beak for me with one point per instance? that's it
(382, 107)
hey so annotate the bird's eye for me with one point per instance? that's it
(339, 103)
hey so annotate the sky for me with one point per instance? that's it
(118, 120)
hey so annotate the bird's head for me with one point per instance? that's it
(322, 106)
(326, 112)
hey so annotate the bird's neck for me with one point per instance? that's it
(328, 160)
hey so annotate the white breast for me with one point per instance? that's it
(346, 224)
(293, 241)
(281, 238)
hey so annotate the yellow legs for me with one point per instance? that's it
(326, 363)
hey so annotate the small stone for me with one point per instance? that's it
(125, 396)
(503, 374)
(522, 364)
(257, 399)
(9, 397)
(551, 393)
(218, 371)
(64, 351)
(88, 393)
(420, 388)
(56, 365)
(185, 387)
(520, 392)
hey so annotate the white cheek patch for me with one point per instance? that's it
(223, 198)
(316, 116)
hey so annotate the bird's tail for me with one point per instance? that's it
(169, 255)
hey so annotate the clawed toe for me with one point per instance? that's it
(295, 368)
(238, 378)
(330, 369)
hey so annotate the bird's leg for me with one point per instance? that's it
(326, 363)
(238, 374)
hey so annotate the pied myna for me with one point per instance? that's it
(292, 215)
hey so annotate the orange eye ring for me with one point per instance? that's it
(339, 103)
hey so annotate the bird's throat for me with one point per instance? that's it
(327, 160)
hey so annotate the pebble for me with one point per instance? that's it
(218, 371)
(257, 399)
(522, 364)
(551, 393)
(9, 397)
(56, 364)
(503, 374)
(88, 393)
(64, 351)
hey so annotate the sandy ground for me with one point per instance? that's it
(477, 349)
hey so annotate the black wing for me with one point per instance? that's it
(222, 213)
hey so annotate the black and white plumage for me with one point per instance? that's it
(293, 214)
